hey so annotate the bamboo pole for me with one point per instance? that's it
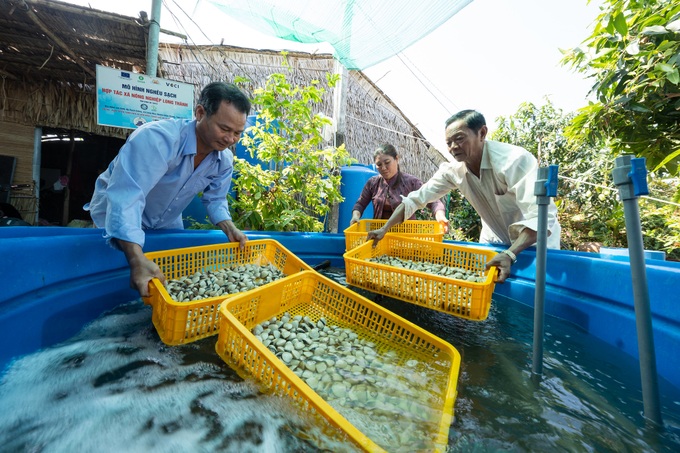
(56, 39)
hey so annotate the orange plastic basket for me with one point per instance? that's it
(469, 300)
(311, 294)
(184, 322)
(356, 234)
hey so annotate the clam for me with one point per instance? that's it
(351, 372)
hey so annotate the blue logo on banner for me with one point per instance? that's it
(125, 75)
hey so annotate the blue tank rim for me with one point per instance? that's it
(60, 275)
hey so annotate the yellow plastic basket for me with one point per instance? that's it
(356, 234)
(311, 294)
(184, 322)
(469, 300)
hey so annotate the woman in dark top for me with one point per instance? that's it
(385, 190)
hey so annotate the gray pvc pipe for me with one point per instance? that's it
(539, 296)
(542, 200)
(643, 317)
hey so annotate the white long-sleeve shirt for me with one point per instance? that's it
(503, 195)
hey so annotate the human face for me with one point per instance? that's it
(387, 165)
(464, 144)
(219, 131)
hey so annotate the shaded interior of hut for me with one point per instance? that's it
(70, 162)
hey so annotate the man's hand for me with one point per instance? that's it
(233, 233)
(503, 262)
(376, 235)
(142, 269)
(142, 272)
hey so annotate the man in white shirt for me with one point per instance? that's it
(498, 181)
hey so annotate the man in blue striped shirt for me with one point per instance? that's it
(161, 167)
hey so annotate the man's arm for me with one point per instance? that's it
(233, 233)
(142, 269)
(396, 218)
(504, 261)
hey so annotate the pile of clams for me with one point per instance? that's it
(223, 282)
(390, 399)
(443, 270)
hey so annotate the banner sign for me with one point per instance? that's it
(128, 99)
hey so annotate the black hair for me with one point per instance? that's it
(385, 148)
(215, 93)
(472, 118)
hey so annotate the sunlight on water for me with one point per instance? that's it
(116, 387)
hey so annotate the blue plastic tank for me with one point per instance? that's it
(243, 153)
(195, 212)
(353, 179)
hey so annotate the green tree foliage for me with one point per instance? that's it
(587, 201)
(633, 54)
(464, 222)
(302, 181)
(539, 130)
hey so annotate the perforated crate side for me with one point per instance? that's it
(308, 293)
(184, 322)
(469, 300)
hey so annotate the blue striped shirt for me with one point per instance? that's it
(152, 180)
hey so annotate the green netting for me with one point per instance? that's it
(362, 32)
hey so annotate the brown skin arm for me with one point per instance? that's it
(142, 269)
(233, 233)
(396, 218)
(526, 238)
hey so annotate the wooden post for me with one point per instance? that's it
(67, 190)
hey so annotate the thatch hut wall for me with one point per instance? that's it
(371, 117)
(17, 141)
(51, 103)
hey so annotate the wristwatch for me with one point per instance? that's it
(512, 256)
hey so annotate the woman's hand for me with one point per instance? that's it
(356, 216)
(440, 216)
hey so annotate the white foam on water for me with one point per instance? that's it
(116, 387)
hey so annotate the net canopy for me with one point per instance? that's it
(362, 32)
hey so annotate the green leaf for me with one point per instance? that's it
(633, 48)
(620, 24)
(673, 77)
(674, 26)
(665, 67)
(670, 157)
(637, 107)
(654, 30)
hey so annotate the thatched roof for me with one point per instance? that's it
(49, 39)
(49, 51)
